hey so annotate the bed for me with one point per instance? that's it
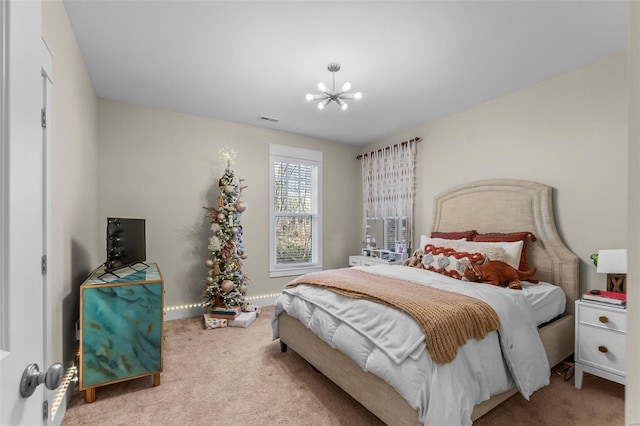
(486, 206)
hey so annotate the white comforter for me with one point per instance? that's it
(390, 344)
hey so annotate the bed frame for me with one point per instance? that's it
(502, 205)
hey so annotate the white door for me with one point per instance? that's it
(55, 414)
(21, 210)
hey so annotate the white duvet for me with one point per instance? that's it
(390, 344)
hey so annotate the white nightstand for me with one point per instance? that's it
(600, 342)
(369, 261)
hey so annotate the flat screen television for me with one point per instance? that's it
(126, 244)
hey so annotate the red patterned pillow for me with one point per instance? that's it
(455, 235)
(447, 261)
(510, 237)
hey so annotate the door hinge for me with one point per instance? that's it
(43, 264)
(45, 410)
(43, 117)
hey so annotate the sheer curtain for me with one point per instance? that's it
(388, 183)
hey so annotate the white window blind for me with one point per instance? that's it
(295, 219)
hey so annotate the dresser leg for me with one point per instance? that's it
(156, 379)
(90, 395)
(578, 375)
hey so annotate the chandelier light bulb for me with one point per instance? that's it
(357, 95)
(344, 106)
(322, 87)
(309, 97)
(324, 103)
(346, 87)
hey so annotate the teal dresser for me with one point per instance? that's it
(121, 326)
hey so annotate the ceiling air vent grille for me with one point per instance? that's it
(268, 119)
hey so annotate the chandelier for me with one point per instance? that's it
(333, 96)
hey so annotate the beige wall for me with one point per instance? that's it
(74, 121)
(163, 166)
(569, 132)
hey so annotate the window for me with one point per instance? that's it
(295, 206)
(388, 232)
(395, 232)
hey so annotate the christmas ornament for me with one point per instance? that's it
(228, 189)
(214, 243)
(209, 280)
(220, 217)
(212, 212)
(240, 206)
(243, 256)
(234, 231)
(208, 263)
(226, 286)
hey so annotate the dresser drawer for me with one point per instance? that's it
(354, 261)
(602, 348)
(608, 319)
(370, 261)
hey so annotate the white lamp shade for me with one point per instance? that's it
(612, 261)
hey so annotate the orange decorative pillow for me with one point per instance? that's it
(455, 235)
(494, 237)
(447, 261)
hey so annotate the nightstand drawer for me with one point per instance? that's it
(602, 348)
(608, 319)
(371, 261)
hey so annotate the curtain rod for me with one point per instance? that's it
(416, 139)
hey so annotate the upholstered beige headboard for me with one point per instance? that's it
(507, 205)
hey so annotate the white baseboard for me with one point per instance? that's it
(195, 309)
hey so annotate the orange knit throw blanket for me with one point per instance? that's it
(447, 319)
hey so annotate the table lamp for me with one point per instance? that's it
(614, 264)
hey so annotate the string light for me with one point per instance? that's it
(201, 305)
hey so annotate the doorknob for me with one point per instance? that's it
(32, 377)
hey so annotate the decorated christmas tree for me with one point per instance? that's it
(225, 283)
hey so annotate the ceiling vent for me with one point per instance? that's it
(268, 119)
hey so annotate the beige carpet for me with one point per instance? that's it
(237, 376)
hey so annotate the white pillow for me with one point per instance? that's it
(494, 251)
(437, 242)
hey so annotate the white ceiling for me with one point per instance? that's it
(414, 61)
